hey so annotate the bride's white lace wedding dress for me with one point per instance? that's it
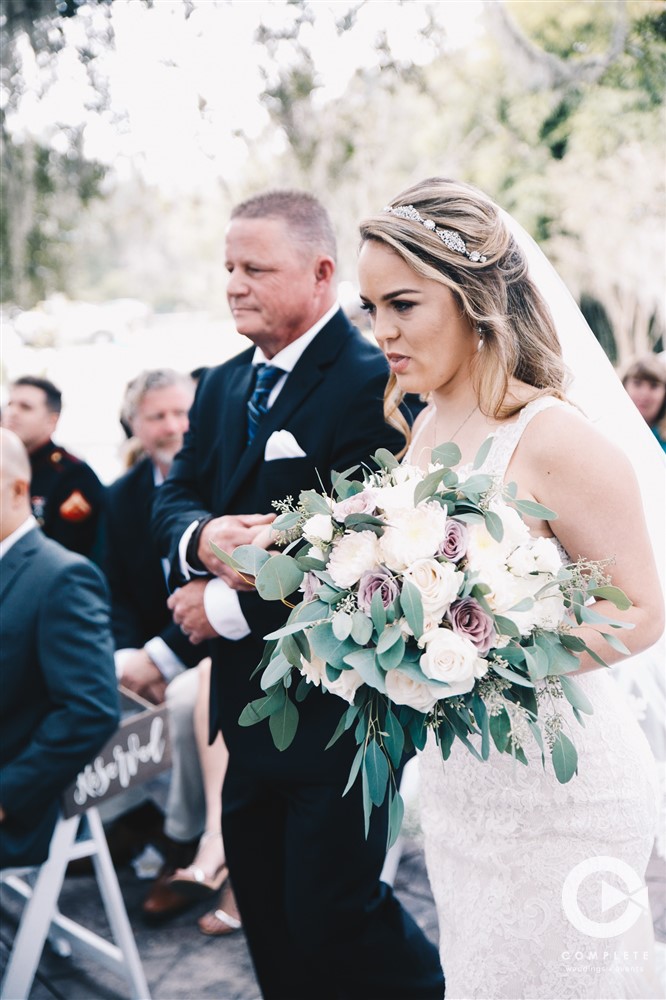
(501, 839)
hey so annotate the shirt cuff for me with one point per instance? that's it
(164, 658)
(187, 571)
(223, 610)
(120, 658)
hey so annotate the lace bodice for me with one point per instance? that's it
(501, 839)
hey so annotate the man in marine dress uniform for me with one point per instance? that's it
(67, 497)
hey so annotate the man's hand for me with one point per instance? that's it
(142, 676)
(187, 606)
(228, 532)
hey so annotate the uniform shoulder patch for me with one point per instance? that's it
(75, 508)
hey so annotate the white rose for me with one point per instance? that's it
(508, 590)
(346, 685)
(437, 583)
(413, 534)
(352, 555)
(314, 670)
(317, 528)
(451, 658)
(405, 690)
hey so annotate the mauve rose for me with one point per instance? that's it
(358, 503)
(469, 619)
(377, 580)
(454, 545)
(310, 586)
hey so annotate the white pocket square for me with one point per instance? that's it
(282, 444)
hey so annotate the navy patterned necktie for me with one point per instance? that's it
(257, 406)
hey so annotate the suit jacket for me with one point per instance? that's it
(134, 568)
(332, 404)
(59, 694)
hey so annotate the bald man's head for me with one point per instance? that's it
(15, 476)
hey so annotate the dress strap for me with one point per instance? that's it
(507, 436)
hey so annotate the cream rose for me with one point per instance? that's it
(540, 555)
(405, 690)
(437, 583)
(453, 659)
(346, 685)
(352, 556)
(318, 528)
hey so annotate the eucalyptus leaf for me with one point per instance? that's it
(537, 662)
(364, 662)
(224, 557)
(287, 521)
(342, 625)
(428, 486)
(385, 459)
(576, 696)
(283, 724)
(494, 525)
(361, 628)
(612, 594)
(530, 508)
(392, 657)
(314, 503)
(446, 738)
(616, 643)
(412, 607)
(389, 636)
(396, 814)
(327, 647)
(262, 708)
(448, 455)
(565, 758)
(376, 767)
(482, 453)
(514, 677)
(500, 729)
(505, 626)
(394, 739)
(303, 689)
(354, 769)
(475, 485)
(275, 671)
(278, 578)
(378, 612)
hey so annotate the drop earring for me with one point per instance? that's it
(480, 333)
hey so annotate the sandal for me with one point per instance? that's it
(218, 922)
(196, 883)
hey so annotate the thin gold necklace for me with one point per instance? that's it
(458, 429)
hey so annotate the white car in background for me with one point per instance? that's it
(60, 322)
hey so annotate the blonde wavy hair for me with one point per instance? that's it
(496, 295)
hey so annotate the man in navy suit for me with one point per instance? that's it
(59, 696)
(318, 921)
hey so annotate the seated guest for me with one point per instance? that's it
(645, 382)
(67, 497)
(152, 653)
(60, 703)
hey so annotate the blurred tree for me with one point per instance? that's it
(43, 184)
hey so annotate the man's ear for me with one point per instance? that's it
(324, 269)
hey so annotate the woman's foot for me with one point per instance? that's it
(208, 871)
(225, 919)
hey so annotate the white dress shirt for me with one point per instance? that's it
(221, 602)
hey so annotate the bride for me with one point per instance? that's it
(518, 862)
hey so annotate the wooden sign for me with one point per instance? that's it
(137, 751)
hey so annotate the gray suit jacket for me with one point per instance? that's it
(59, 695)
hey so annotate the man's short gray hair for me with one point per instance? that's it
(147, 381)
(309, 223)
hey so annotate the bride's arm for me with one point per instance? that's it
(577, 472)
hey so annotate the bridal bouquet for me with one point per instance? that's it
(425, 604)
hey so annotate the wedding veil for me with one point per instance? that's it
(597, 390)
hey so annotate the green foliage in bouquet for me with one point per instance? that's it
(423, 602)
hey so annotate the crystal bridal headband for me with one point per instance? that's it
(449, 237)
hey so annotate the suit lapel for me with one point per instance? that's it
(301, 383)
(17, 560)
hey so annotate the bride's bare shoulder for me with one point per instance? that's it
(561, 436)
